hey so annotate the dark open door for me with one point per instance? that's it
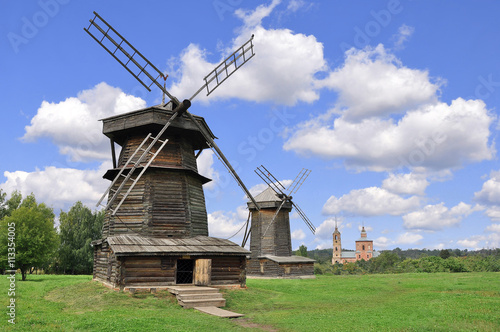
(184, 273)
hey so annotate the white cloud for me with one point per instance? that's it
(295, 5)
(224, 224)
(493, 212)
(404, 33)
(406, 184)
(434, 137)
(472, 242)
(408, 238)
(205, 163)
(381, 242)
(495, 228)
(73, 124)
(436, 217)
(490, 192)
(272, 75)
(371, 201)
(298, 234)
(59, 187)
(325, 230)
(372, 82)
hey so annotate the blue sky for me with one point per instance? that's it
(391, 104)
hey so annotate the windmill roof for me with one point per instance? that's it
(151, 120)
(268, 195)
(135, 245)
(289, 259)
(268, 199)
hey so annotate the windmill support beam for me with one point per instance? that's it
(113, 153)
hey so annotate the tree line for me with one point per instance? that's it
(41, 245)
(404, 261)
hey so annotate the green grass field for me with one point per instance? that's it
(397, 302)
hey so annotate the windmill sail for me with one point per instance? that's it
(126, 54)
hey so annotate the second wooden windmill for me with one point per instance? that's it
(156, 232)
(269, 233)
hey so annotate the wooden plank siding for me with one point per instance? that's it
(277, 241)
(269, 268)
(107, 268)
(162, 204)
(150, 271)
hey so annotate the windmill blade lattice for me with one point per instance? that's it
(126, 54)
(279, 189)
(139, 66)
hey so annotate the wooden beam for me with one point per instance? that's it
(113, 154)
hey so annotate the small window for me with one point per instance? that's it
(359, 256)
(363, 247)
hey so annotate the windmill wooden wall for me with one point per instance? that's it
(271, 250)
(163, 220)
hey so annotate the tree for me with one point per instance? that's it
(302, 251)
(444, 253)
(384, 263)
(6, 207)
(35, 236)
(77, 229)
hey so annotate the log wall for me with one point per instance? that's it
(277, 240)
(156, 271)
(269, 268)
(163, 203)
(107, 268)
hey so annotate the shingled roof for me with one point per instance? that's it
(135, 245)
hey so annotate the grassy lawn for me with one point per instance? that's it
(403, 302)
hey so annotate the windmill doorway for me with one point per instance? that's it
(184, 273)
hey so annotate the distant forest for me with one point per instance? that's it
(325, 255)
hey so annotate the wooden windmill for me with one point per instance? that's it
(156, 231)
(269, 233)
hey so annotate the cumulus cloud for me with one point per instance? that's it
(402, 239)
(493, 212)
(298, 234)
(490, 192)
(495, 228)
(433, 137)
(325, 230)
(73, 124)
(408, 238)
(224, 224)
(436, 217)
(477, 242)
(382, 242)
(406, 184)
(372, 82)
(371, 201)
(59, 187)
(205, 163)
(272, 75)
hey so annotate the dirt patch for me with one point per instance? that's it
(245, 322)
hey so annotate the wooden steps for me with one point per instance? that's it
(197, 296)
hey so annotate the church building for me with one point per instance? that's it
(364, 249)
